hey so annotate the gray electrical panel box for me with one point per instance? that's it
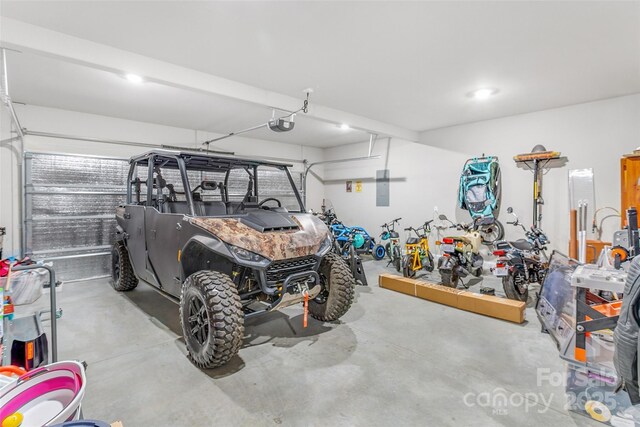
(382, 187)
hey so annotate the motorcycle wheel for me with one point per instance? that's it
(449, 279)
(515, 286)
(492, 233)
(427, 262)
(407, 271)
(379, 252)
(397, 259)
(387, 249)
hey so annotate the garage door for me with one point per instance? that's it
(69, 211)
(70, 204)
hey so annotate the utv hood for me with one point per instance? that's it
(275, 236)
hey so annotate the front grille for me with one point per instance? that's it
(280, 270)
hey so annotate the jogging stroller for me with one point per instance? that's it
(479, 193)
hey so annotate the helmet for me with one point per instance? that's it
(539, 149)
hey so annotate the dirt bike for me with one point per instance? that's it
(418, 255)
(460, 254)
(521, 262)
(392, 246)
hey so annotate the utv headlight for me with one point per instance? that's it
(325, 246)
(246, 256)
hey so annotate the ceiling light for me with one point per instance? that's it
(133, 78)
(482, 94)
(344, 126)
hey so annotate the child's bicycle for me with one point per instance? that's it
(392, 246)
(417, 256)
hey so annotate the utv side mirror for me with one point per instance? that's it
(209, 185)
(509, 210)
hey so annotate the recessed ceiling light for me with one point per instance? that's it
(133, 78)
(344, 126)
(482, 94)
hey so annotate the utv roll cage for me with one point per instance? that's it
(184, 161)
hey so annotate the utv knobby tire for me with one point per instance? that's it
(513, 291)
(335, 300)
(122, 275)
(219, 334)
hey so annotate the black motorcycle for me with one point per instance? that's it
(522, 262)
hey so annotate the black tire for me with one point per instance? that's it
(339, 289)
(449, 279)
(387, 249)
(429, 265)
(407, 270)
(211, 317)
(492, 233)
(378, 252)
(514, 291)
(122, 275)
(397, 259)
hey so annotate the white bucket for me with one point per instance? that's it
(46, 396)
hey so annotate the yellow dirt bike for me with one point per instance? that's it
(417, 255)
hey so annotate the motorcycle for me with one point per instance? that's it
(460, 254)
(522, 262)
(417, 256)
(392, 246)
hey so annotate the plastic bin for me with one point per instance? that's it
(26, 286)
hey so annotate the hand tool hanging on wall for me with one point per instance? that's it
(538, 160)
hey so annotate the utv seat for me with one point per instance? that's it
(214, 208)
(177, 207)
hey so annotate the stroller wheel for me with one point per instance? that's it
(492, 233)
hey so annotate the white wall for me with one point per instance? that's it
(421, 179)
(43, 119)
(592, 135)
(10, 158)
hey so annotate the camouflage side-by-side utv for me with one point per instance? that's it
(229, 238)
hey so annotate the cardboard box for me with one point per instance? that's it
(489, 305)
(397, 283)
(438, 293)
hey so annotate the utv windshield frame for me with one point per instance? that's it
(184, 162)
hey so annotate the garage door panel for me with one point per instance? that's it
(56, 205)
(69, 213)
(83, 170)
(56, 233)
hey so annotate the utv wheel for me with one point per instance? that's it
(449, 279)
(515, 286)
(336, 298)
(407, 271)
(122, 275)
(378, 252)
(212, 318)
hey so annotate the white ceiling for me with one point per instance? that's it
(53, 83)
(405, 63)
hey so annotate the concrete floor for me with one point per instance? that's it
(392, 360)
